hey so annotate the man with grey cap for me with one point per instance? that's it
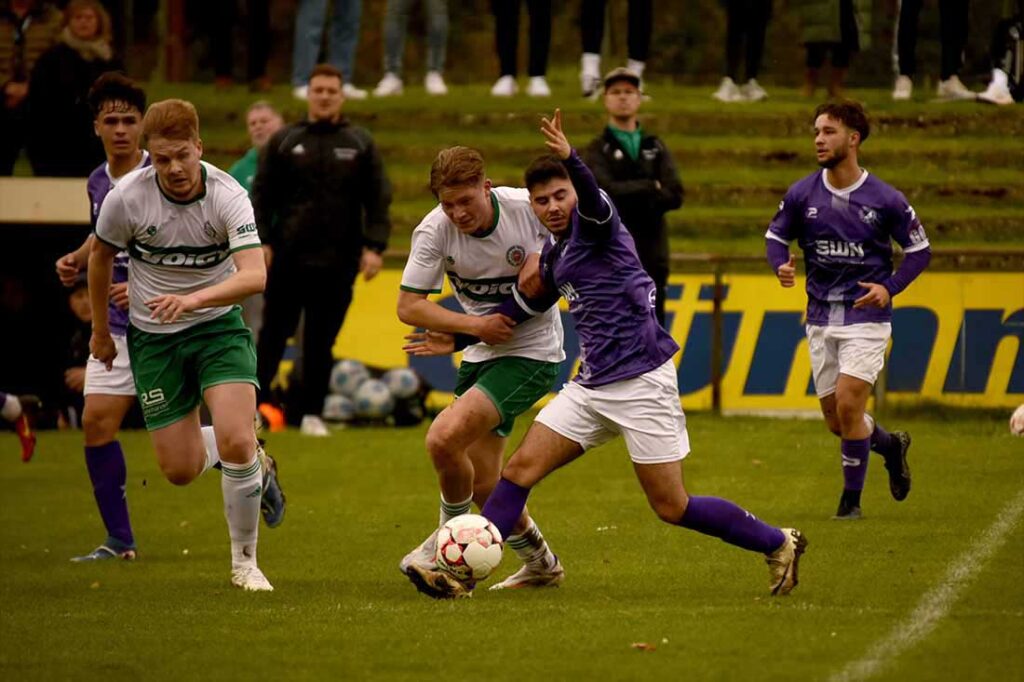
(637, 171)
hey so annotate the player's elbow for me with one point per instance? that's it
(407, 311)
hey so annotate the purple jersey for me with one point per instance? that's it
(611, 299)
(846, 238)
(98, 186)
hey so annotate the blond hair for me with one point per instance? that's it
(456, 167)
(104, 31)
(173, 119)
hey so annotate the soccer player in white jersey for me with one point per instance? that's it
(189, 230)
(479, 236)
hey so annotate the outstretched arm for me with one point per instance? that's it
(591, 204)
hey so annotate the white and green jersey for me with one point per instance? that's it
(482, 271)
(176, 247)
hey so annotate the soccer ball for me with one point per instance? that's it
(373, 399)
(1017, 421)
(347, 376)
(338, 408)
(469, 547)
(403, 382)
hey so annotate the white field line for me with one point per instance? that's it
(937, 602)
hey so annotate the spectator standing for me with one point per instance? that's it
(638, 172)
(841, 27)
(1007, 84)
(257, 30)
(592, 14)
(262, 121)
(28, 28)
(746, 22)
(396, 20)
(321, 196)
(506, 39)
(953, 36)
(62, 141)
(342, 39)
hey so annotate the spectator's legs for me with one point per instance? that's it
(757, 26)
(540, 35)
(328, 295)
(953, 27)
(222, 34)
(257, 21)
(437, 34)
(309, 32)
(592, 25)
(904, 51)
(281, 310)
(344, 36)
(396, 19)
(506, 34)
(815, 59)
(14, 124)
(640, 22)
(735, 25)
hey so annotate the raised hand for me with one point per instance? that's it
(556, 140)
(787, 272)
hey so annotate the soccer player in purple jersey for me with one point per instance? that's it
(844, 220)
(627, 381)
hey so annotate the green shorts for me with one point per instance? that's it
(512, 384)
(173, 370)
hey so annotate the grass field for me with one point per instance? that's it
(912, 592)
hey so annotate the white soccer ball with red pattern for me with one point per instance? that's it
(469, 547)
(1017, 421)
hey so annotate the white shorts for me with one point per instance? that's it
(644, 409)
(118, 381)
(857, 350)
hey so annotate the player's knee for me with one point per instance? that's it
(669, 510)
(850, 413)
(833, 425)
(178, 473)
(236, 447)
(440, 448)
(98, 428)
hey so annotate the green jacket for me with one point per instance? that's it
(819, 21)
(244, 169)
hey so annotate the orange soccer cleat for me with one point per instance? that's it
(273, 416)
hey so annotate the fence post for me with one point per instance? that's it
(716, 340)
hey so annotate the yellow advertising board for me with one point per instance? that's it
(958, 339)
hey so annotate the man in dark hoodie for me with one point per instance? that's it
(321, 197)
(637, 171)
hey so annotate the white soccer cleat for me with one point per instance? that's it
(423, 556)
(504, 87)
(753, 92)
(728, 92)
(390, 86)
(533, 575)
(538, 87)
(313, 425)
(783, 562)
(352, 92)
(902, 89)
(301, 92)
(996, 94)
(952, 89)
(250, 579)
(434, 84)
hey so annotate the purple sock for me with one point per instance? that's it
(855, 462)
(733, 524)
(881, 440)
(108, 474)
(505, 505)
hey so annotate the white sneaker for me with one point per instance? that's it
(250, 579)
(753, 92)
(504, 87)
(531, 575)
(424, 556)
(953, 89)
(996, 94)
(538, 87)
(301, 92)
(352, 92)
(783, 562)
(728, 92)
(434, 83)
(390, 85)
(313, 425)
(590, 85)
(903, 88)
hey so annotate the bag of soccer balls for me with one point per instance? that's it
(359, 394)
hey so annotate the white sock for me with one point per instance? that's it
(449, 510)
(1000, 79)
(11, 409)
(636, 67)
(242, 485)
(212, 453)
(531, 547)
(590, 64)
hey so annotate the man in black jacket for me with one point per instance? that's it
(638, 173)
(321, 197)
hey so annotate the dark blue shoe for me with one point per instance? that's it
(899, 470)
(272, 502)
(112, 548)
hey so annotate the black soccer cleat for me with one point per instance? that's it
(272, 502)
(848, 510)
(899, 470)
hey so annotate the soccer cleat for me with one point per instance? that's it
(952, 89)
(438, 584)
(423, 556)
(899, 470)
(273, 417)
(783, 562)
(753, 92)
(531, 575)
(728, 92)
(110, 549)
(250, 579)
(434, 84)
(24, 425)
(504, 87)
(272, 502)
(902, 89)
(390, 86)
(847, 512)
(313, 425)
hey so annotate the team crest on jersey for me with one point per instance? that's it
(449, 260)
(151, 230)
(515, 256)
(209, 230)
(649, 154)
(869, 215)
(345, 153)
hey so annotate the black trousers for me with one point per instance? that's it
(324, 294)
(640, 21)
(506, 35)
(14, 124)
(257, 30)
(746, 22)
(953, 30)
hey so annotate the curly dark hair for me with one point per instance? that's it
(849, 112)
